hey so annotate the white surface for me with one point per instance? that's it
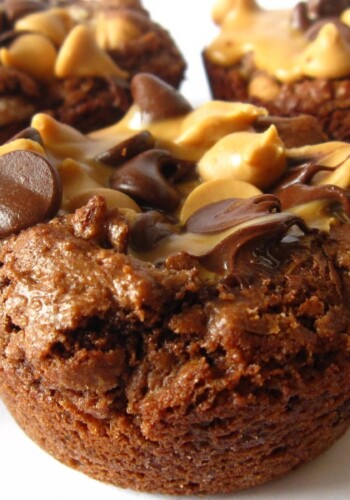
(26, 472)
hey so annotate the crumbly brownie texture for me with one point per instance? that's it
(75, 60)
(304, 81)
(155, 380)
(179, 339)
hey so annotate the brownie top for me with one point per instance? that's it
(206, 183)
(312, 40)
(50, 40)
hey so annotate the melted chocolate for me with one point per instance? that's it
(157, 100)
(127, 149)
(298, 194)
(294, 190)
(301, 174)
(149, 229)
(222, 215)
(262, 234)
(149, 178)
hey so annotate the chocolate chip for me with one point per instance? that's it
(325, 8)
(127, 149)
(300, 17)
(156, 99)
(15, 9)
(149, 178)
(149, 229)
(314, 30)
(295, 131)
(222, 215)
(28, 133)
(30, 191)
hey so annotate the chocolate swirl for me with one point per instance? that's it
(149, 178)
(295, 190)
(259, 221)
(222, 215)
(264, 233)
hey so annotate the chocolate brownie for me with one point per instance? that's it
(75, 60)
(175, 318)
(290, 61)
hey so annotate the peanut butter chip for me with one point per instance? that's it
(81, 56)
(54, 24)
(259, 159)
(30, 191)
(20, 56)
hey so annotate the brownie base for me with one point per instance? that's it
(327, 100)
(226, 455)
(150, 378)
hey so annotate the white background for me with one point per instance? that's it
(26, 472)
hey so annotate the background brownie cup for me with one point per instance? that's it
(290, 61)
(186, 329)
(76, 59)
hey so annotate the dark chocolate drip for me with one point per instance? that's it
(294, 190)
(149, 178)
(262, 234)
(299, 194)
(222, 215)
(262, 231)
(127, 149)
(149, 229)
(302, 174)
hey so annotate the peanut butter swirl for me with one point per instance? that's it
(289, 45)
(207, 183)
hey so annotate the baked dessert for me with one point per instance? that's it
(290, 61)
(182, 326)
(75, 60)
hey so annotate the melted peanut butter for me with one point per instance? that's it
(319, 181)
(277, 47)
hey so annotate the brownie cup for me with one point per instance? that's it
(290, 61)
(75, 60)
(175, 317)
